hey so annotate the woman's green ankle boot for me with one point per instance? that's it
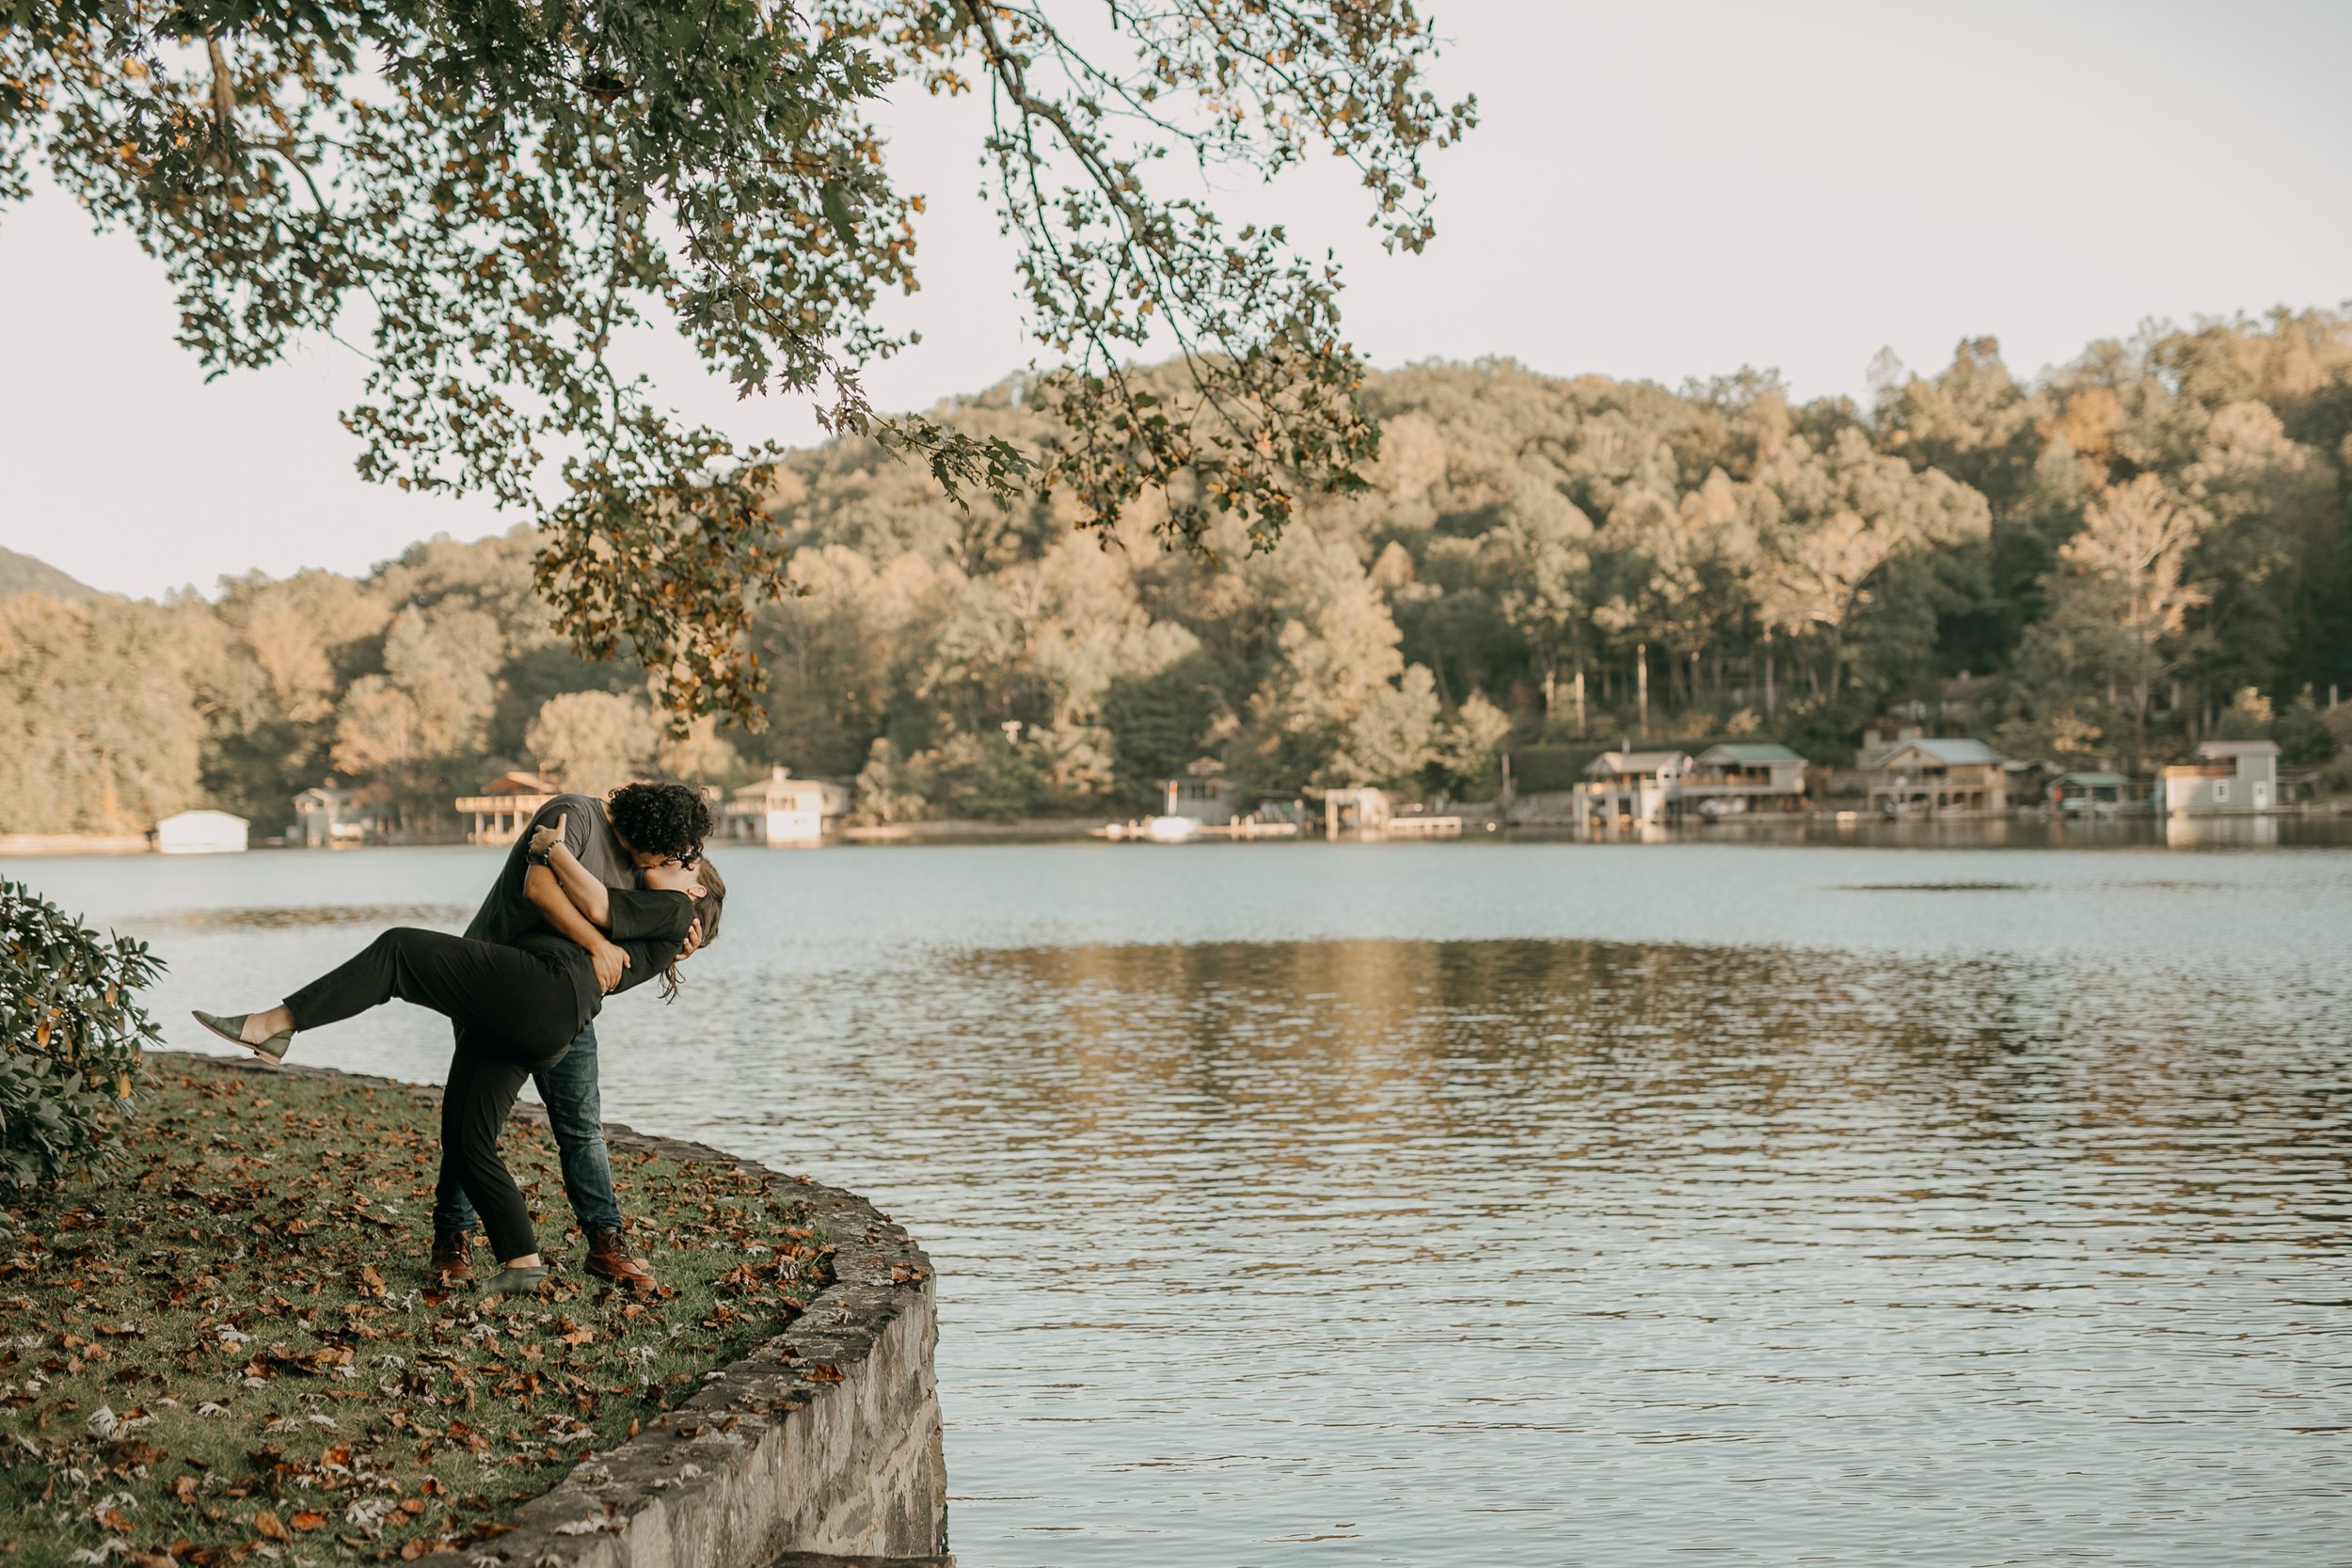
(516, 1282)
(231, 1029)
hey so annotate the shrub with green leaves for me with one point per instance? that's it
(69, 1037)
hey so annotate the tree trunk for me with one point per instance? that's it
(1580, 703)
(1641, 684)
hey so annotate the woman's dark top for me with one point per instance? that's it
(649, 926)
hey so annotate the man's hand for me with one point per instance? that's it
(693, 940)
(609, 962)
(547, 837)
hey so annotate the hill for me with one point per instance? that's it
(22, 573)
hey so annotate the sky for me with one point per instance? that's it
(1660, 192)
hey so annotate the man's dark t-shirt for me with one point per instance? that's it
(506, 914)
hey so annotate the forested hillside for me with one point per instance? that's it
(22, 573)
(2152, 545)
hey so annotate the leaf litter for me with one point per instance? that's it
(224, 1346)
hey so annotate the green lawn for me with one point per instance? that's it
(224, 1346)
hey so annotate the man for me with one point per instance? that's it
(641, 825)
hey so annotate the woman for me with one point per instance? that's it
(518, 1007)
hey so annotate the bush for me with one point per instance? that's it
(69, 1037)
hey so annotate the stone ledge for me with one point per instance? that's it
(767, 1467)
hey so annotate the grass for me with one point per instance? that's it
(223, 1345)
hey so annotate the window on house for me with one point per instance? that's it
(2220, 791)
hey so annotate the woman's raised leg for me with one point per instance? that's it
(484, 985)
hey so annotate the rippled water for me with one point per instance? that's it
(1524, 1204)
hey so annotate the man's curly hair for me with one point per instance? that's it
(662, 818)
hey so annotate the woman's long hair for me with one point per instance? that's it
(706, 912)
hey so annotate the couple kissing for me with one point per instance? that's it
(596, 897)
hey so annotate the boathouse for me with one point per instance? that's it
(505, 804)
(1628, 786)
(1742, 777)
(2090, 793)
(2228, 775)
(334, 815)
(1355, 812)
(1928, 777)
(781, 809)
(200, 832)
(1204, 795)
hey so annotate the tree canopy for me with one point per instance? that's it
(486, 198)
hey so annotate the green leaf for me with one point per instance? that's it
(837, 204)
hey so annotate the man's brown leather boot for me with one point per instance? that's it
(452, 1259)
(610, 1257)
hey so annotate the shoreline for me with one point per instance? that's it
(1479, 823)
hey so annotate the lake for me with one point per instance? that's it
(1518, 1203)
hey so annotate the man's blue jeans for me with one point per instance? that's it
(576, 1116)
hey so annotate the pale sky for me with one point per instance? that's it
(1658, 191)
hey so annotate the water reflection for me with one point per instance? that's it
(2227, 832)
(1934, 887)
(303, 916)
(1870, 829)
(1533, 1251)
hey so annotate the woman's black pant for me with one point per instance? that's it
(516, 1012)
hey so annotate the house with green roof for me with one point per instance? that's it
(2091, 791)
(1932, 776)
(1741, 778)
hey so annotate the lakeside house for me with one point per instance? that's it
(1738, 778)
(1880, 739)
(1932, 776)
(505, 804)
(781, 809)
(200, 832)
(2090, 792)
(1355, 812)
(2227, 776)
(332, 814)
(1203, 794)
(1628, 786)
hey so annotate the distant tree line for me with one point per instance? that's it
(2148, 546)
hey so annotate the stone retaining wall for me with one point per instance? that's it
(821, 1447)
